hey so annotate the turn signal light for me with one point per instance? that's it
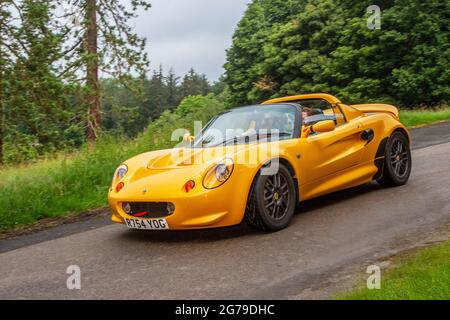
(120, 186)
(188, 186)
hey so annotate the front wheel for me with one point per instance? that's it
(272, 201)
(397, 162)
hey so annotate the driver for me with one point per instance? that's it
(307, 113)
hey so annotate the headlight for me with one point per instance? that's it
(217, 175)
(121, 172)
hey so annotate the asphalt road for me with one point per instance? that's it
(330, 240)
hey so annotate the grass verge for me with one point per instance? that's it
(413, 118)
(423, 275)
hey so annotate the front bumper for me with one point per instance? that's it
(198, 209)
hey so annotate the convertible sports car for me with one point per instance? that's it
(256, 163)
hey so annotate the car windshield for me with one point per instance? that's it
(254, 123)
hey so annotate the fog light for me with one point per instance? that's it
(126, 207)
(170, 208)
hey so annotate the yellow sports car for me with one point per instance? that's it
(256, 163)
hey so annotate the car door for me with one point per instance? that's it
(327, 156)
(330, 152)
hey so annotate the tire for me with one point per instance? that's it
(397, 161)
(272, 201)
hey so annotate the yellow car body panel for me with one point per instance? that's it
(320, 164)
(377, 108)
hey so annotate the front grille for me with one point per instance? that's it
(148, 209)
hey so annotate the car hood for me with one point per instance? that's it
(195, 159)
(178, 158)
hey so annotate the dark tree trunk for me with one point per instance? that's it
(93, 95)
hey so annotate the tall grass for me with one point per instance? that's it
(80, 180)
(419, 117)
(74, 183)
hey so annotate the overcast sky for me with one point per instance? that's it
(190, 33)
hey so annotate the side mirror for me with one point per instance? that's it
(188, 138)
(323, 126)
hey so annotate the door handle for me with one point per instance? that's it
(367, 135)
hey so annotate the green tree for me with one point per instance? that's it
(327, 46)
(122, 108)
(243, 71)
(194, 84)
(37, 110)
(156, 96)
(173, 91)
(219, 86)
(6, 53)
(296, 52)
(405, 62)
(100, 39)
(128, 113)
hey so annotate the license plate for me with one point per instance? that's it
(147, 224)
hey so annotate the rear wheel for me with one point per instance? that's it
(272, 201)
(397, 162)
